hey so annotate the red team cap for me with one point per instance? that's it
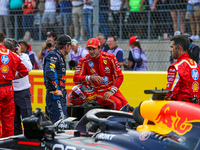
(93, 43)
(133, 39)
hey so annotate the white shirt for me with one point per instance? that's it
(193, 1)
(4, 8)
(77, 3)
(115, 5)
(88, 5)
(50, 6)
(23, 83)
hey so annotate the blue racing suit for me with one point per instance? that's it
(54, 78)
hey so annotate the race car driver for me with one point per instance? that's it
(10, 64)
(183, 75)
(103, 72)
(54, 78)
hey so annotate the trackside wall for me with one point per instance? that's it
(132, 88)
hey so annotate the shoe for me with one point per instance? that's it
(81, 39)
(196, 37)
(192, 37)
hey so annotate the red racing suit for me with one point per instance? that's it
(9, 64)
(183, 79)
(107, 67)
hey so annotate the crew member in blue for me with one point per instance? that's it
(54, 78)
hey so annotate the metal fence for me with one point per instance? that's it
(153, 28)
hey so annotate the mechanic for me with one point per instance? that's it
(183, 75)
(22, 94)
(76, 53)
(54, 78)
(103, 72)
(10, 64)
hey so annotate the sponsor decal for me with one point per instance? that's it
(195, 74)
(144, 136)
(105, 80)
(107, 69)
(90, 41)
(103, 136)
(172, 117)
(63, 147)
(195, 86)
(4, 59)
(91, 64)
(62, 116)
(4, 68)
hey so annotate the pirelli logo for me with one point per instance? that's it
(38, 90)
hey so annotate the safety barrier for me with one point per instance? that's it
(132, 87)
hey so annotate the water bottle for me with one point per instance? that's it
(110, 18)
(126, 17)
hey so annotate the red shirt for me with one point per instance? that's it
(105, 66)
(29, 8)
(183, 79)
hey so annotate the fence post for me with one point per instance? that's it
(95, 17)
(178, 21)
(149, 25)
(40, 28)
(16, 27)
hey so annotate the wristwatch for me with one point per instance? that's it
(112, 90)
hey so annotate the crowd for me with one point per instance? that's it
(75, 17)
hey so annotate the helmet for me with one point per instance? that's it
(81, 93)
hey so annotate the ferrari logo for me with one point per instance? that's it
(191, 62)
(195, 87)
(105, 62)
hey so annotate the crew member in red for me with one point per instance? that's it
(184, 74)
(102, 71)
(10, 63)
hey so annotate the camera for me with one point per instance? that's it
(25, 6)
(49, 45)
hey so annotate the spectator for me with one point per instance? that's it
(103, 17)
(87, 17)
(114, 49)
(104, 44)
(77, 9)
(115, 7)
(22, 95)
(175, 6)
(32, 55)
(76, 53)
(49, 15)
(102, 71)
(183, 75)
(193, 9)
(54, 78)
(16, 9)
(4, 17)
(193, 50)
(136, 19)
(10, 64)
(28, 8)
(49, 47)
(137, 60)
(66, 12)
